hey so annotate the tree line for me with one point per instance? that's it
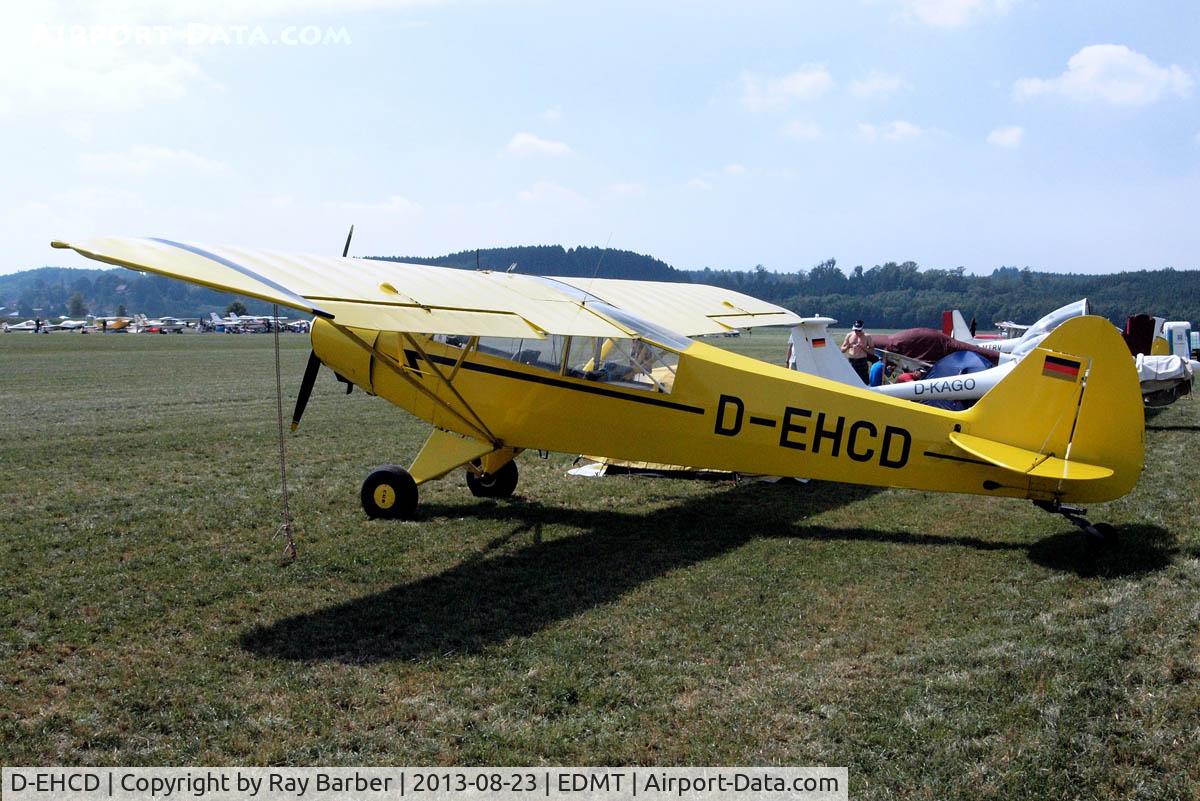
(586, 262)
(901, 295)
(891, 295)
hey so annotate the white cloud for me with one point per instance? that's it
(116, 56)
(1111, 74)
(1009, 136)
(148, 12)
(58, 59)
(526, 144)
(552, 193)
(143, 159)
(901, 130)
(954, 13)
(775, 93)
(735, 169)
(94, 79)
(802, 131)
(898, 129)
(877, 84)
(699, 184)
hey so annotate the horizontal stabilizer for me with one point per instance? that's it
(1027, 462)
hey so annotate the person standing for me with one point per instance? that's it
(859, 347)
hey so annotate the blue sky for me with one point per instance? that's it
(1060, 135)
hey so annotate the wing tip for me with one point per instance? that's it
(60, 244)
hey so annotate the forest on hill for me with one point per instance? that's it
(555, 260)
(891, 295)
(904, 296)
(65, 291)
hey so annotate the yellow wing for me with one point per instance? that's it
(395, 296)
(690, 309)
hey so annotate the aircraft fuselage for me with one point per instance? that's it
(723, 411)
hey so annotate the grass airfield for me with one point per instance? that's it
(939, 646)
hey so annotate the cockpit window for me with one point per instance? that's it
(646, 361)
(632, 363)
(639, 325)
(544, 353)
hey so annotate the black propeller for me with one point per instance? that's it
(314, 365)
(306, 385)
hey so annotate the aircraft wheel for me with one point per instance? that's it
(389, 493)
(494, 485)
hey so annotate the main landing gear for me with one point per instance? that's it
(499, 484)
(1102, 533)
(390, 492)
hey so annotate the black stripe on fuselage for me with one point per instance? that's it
(952, 458)
(488, 369)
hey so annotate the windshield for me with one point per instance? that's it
(639, 325)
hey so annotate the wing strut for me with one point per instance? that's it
(446, 381)
(480, 429)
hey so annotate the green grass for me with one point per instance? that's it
(940, 646)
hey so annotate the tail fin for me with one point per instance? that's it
(812, 350)
(959, 328)
(1071, 408)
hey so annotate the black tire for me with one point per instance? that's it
(389, 493)
(1106, 533)
(494, 485)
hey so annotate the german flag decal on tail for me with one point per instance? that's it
(819, 342)
(1058, 367)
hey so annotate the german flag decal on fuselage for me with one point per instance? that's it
(1058, 367)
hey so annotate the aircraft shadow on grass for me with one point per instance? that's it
(487, 599)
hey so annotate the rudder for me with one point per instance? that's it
(1075, 398)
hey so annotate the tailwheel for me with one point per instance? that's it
(1103, 533)
(1100, 533)
(499, 484)
(389, 492)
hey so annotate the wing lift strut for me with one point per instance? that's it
(470, 419)
(390, 491)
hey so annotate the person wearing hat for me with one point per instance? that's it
(859, 347)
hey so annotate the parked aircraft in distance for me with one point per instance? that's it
(70, 325)
(107, 324)
(1165, 373)
(160, 325)
(253, 323)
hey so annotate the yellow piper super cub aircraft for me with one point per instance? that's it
(501, 362)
